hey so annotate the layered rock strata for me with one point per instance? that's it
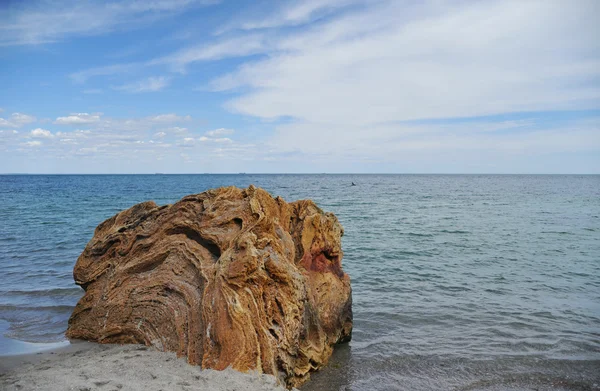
(229, 277)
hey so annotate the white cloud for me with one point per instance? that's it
(187, 142)
(220, 140)
(426, 145)
(98, 123)
(162, 118)
(78, 119)
(87, 151)
(83, 76)
(294, 13)
(22, 119)
(39, 132)
(32, 24)
(151, 84)
(177, 129)
(232, 47)
(403, 61)
(106, 132)
(17, 120)
(93, 91)
(212, 136)
(101, 143)
(219, 132)
(74, 135)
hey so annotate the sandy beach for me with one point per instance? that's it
(84, 366)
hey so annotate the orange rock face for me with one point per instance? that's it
(228, 277)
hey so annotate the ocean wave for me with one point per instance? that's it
(45, 292)
(8, 308)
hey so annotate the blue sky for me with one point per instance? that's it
(190, 86)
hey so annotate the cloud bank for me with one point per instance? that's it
(334, 85)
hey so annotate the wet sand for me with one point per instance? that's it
(84, 366)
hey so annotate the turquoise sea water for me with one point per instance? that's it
(459, 281)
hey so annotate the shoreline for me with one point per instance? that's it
(14, 347)
(39, 352)
(88, 366)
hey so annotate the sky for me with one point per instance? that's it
(307, 86)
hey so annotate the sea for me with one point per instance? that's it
(460, 282)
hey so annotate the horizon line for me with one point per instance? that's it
(300, 173)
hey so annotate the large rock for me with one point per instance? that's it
(228, 277)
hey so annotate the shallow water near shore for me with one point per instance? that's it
(459, 281)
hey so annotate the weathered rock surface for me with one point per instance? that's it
(228, 277)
